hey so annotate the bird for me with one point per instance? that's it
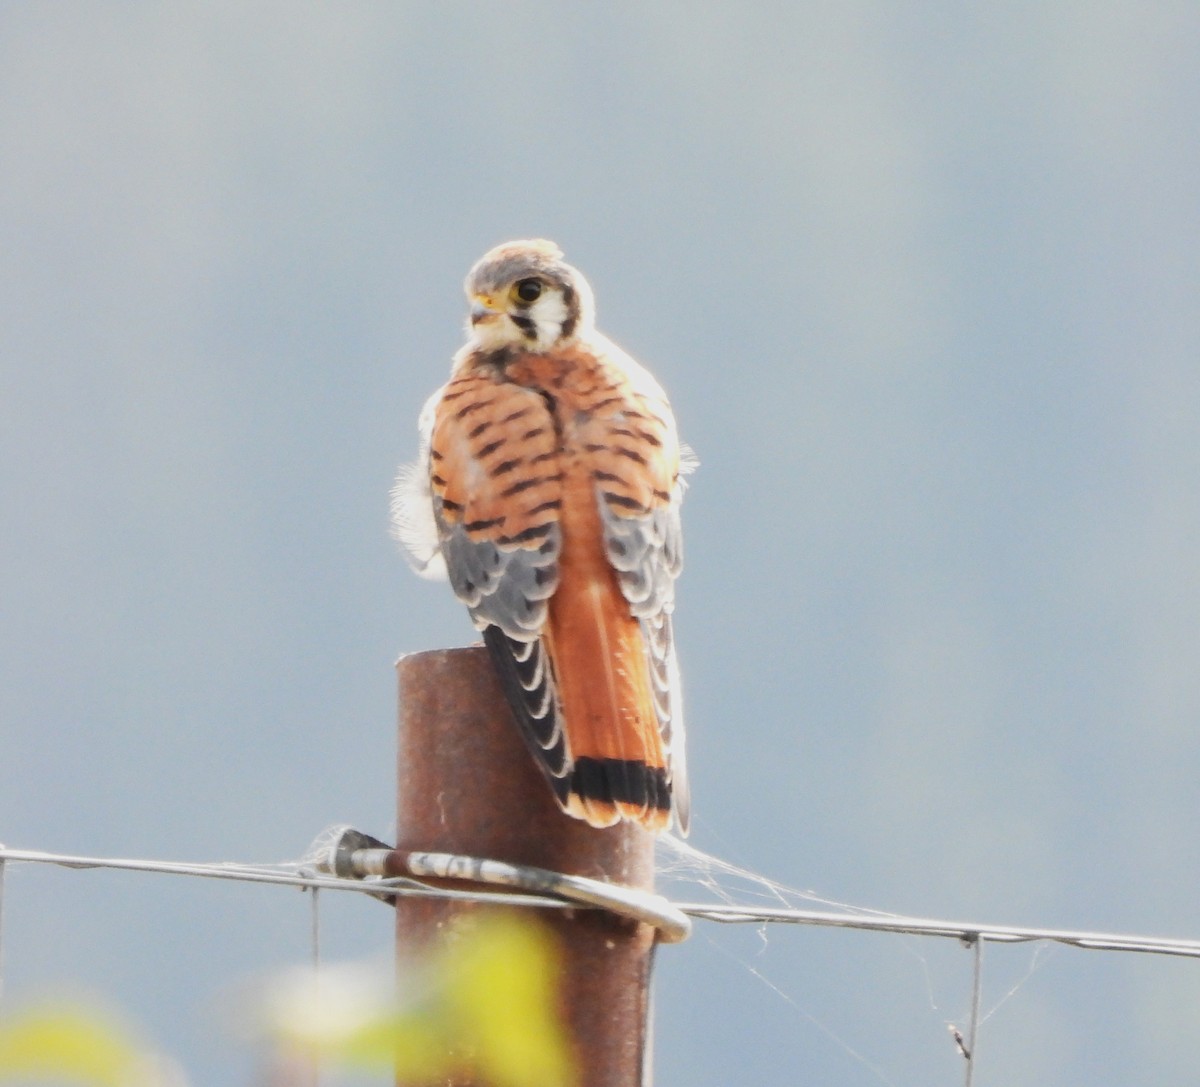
(547, 490)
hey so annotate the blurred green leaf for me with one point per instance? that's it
(349, 1014)
(500, 982)
(487, 1001)
(68, 1043)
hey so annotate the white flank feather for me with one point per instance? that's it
(413, 524)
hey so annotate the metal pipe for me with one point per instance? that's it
(466, 784)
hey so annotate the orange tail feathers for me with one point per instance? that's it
(600, 667)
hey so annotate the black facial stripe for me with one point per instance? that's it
(527, 325)
(571, 302)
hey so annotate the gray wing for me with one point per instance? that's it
(646, 550)
(495, 492)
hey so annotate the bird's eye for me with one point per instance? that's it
(528, 290)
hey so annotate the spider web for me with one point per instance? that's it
(941, 978)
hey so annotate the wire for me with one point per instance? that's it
(976, 997)
(966, 931)
(335, 852)
(315, 926)
(288, 874)
(292, 875)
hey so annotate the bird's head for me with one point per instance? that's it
(523, 294)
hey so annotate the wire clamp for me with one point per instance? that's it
(350, 854)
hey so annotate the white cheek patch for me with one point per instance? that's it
(548, 314)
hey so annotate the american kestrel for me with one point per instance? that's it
(548, 491)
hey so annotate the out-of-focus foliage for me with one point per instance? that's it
(73, 1043)
(485, 1001)
(497, 989)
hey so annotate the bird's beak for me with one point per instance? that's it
(483, 308)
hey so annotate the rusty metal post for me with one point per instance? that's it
(467, 784)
